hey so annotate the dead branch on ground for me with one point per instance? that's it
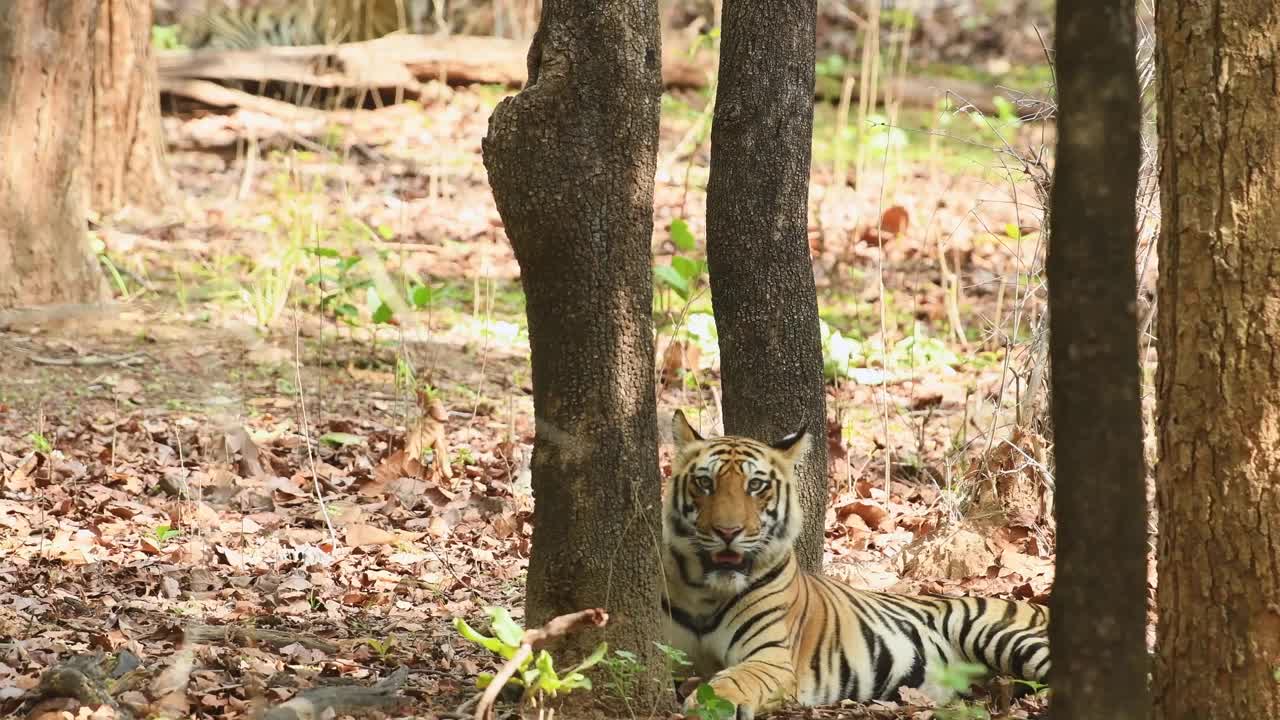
(234, 634)
(342, 700)
(409, 61)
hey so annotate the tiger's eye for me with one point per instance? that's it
(755, 486)
(703, 484)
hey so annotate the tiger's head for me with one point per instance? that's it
(732, 507)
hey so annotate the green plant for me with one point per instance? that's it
(166, 37)
(711, 706)
(621, 669)
(535, 673)
(676, 658)
(341, 439)
(99, 249)
(848, 357)
(337, 273)
(1036, 688)
(267, 293)
(163, 533)
(39, 442)
(684, 274)
(381, 647)
(958, 677)
(462, 456)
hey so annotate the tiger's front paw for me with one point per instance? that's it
(709, 702)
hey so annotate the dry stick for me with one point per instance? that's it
(341, 699)
(532, 640)
(306, 431)
(87, 360)
(237, 635)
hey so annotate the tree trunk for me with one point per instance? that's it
(571, 160)
(1099, 608)
(123, 144)
(1218, 479)
(44, 75)
(762, 286)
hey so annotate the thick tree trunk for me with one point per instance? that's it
(44, 76)
(1099, 608)
(1218, 478)
(762, 286)
(123, 145)
(571, 160)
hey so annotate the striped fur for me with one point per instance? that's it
(765, 632)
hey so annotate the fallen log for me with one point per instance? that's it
(341, 699)
(408, 61)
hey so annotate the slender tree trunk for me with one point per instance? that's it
(1099, 608)
(571, 160)
(123, 143)
(1218, 479)
(44, 74)
(762, 286)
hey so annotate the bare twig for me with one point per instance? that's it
(532, 640)
(236, 634)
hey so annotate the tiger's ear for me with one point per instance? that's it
(793, 446)
(682, 431)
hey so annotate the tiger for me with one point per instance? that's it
(765, 632)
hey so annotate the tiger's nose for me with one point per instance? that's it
(727, 533)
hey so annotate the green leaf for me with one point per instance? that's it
(668, 276)
(596, 656)
(493, 645)
(323, 252)
(349, 262)
(40, 442)
(383, 314)
(674, 655)
(706, 694)
(681, 236)
(687, 267)
(386, 232)
(504, 627)
(348, 311)
(575, 681)
(420, 296)
(1012, 231)
(338, 439)
(546, 669)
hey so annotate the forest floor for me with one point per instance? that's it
(343, 320)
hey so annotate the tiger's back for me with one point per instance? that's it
(765, 631)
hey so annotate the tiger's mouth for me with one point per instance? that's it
(728, 560)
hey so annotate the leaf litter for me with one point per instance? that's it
(164, 507)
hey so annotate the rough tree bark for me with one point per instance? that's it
(1218, 478)
(571, 160)
(44, 75)
(1099, 608)
(762, 287)
(123, 145)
